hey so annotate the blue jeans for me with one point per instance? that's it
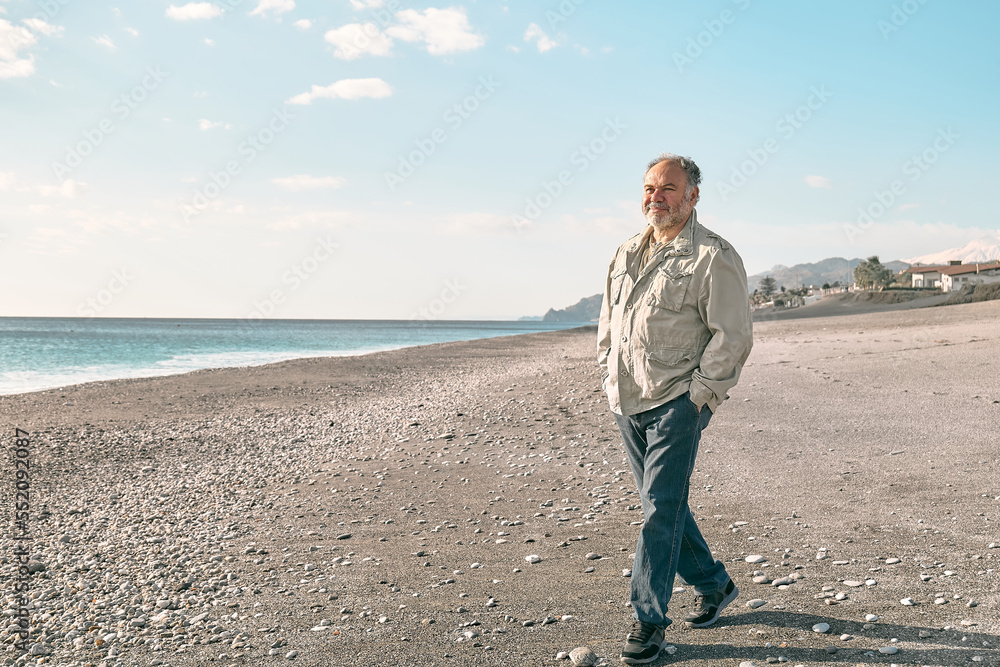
(661, 445)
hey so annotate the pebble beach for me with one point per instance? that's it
(469, 503)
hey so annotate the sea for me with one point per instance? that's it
(47, 352)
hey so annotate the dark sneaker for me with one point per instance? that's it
(710, 606)
(643, 643)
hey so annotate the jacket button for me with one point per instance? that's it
(628, 306)
(625, 373)
(624, 339)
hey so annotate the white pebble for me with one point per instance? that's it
(821, 627)
(583, 657)
(533, 558)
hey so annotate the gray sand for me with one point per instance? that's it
(866, 439)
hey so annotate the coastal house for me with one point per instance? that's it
(955, 275)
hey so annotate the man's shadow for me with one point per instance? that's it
(941, 647)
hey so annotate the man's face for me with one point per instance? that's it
(664, 202)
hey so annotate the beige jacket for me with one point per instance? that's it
(681, 324)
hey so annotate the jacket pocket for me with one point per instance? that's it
(671, 357)
(617, 282)
(669, 289)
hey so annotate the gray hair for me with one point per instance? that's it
(687, 164)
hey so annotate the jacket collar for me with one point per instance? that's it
(682, 244)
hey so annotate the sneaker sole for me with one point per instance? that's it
(643, 661)
(722, 605)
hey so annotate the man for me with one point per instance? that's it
(674, 333)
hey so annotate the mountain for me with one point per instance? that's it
(826, 271)
(984, 250)
(585, 310)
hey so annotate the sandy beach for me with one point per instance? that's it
(378, 510)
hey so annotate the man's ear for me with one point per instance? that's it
(694, 195)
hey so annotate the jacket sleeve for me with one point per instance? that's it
(604, 325)
(725, 308)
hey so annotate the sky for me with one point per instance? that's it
(387, 159)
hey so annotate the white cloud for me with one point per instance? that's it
(544, 43)
(47, 29)
(14, 38)
(193, 11)
(132, 31)
(209, 42)
(276, 7)
(301, 182)
(205, 124)
(106, 42)
(363, 4)
(444, 31)
(356, 39)
(70, 189)
(6, 180)
(819, 182)
(345, 89)
(303, 24)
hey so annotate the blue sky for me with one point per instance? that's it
(388, 159)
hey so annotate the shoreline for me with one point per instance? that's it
(378, 509)
(143, 372)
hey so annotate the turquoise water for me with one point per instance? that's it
(45, 352)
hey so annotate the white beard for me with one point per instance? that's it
(663, 219)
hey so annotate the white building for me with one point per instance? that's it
(954, 276)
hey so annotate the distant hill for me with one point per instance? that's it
(585, 310)
(985, 249)
(826, 271)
